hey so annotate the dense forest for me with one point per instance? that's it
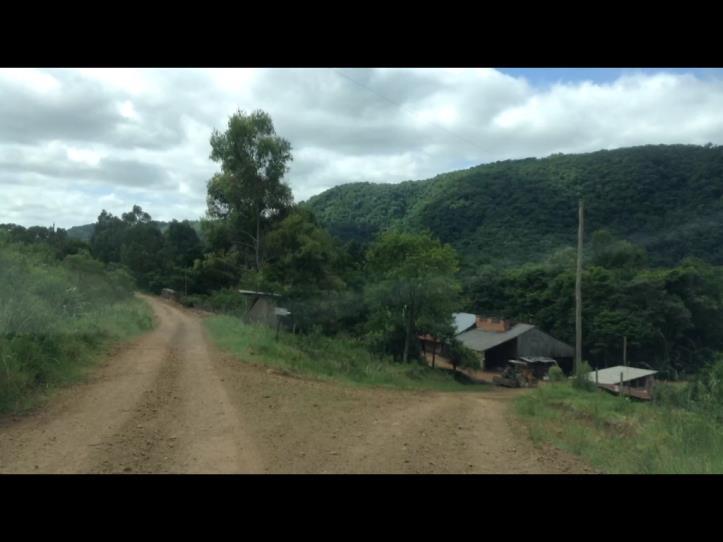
(380, 264)
(666, 198)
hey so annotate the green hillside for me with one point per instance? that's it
(667, 198)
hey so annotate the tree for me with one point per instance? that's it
(249, 191)
(301, 255)
(142, 253)
(107, 238)
(414, 283)
(181, 244)
(136, 216)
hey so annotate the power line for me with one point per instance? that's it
(386, 99)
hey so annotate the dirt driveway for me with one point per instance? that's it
(170, 402)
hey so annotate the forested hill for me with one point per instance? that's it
(667, 198)
(85, 232)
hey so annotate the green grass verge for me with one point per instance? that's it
(619, 435)
(328, 358)
(57, 317)
(32, 366)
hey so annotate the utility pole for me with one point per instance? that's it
(625, 351)
(578, 295)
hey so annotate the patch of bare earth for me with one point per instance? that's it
(170, 402)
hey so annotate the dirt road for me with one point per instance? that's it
(171, 403)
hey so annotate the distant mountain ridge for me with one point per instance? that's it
(668, 198)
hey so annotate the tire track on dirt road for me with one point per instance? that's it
(170, 402)
(155, 406)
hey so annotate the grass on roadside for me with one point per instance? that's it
(620, 435)
(328, 358)
(57, 318)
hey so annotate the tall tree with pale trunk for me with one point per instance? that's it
(249, 191)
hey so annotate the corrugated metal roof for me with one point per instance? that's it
(611, 375)
(538, 359)
(463, 321)
(481, 340)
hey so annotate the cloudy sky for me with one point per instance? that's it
(75, 141)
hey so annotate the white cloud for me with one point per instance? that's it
(126, 109)
(116, 137)
(84, 156)
(31, 79)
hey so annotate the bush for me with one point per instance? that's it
(581, 380)
(556, 374)
(462, 356)
(55, 315)
(672, 395)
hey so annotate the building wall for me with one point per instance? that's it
(496, 358)
(492, 324)
(262, 312)
(538, 343)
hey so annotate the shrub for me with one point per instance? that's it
(54, 315)
(462, 356)
(556, 374)
(581, 380)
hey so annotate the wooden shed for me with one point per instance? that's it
(261, 307)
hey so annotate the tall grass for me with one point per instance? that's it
(56, 317)
(338, 358)
(619, 435)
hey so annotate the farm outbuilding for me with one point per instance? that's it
(498, 340)
(262, 308)
(636, 382)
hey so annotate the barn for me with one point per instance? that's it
(498, 340)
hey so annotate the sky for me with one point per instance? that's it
(76, 141)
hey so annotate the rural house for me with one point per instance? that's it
(498, 340)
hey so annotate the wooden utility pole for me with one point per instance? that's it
(578, 296)
(625, 351)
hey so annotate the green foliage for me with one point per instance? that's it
(581, 380)
(181, 244)
(248, 192)
(226, 301)
(339, 358)
(556, 374)
(302, 257)
(412, 286)
(461, 356)
(622, 436)
(216, 271)
(666, 198)
(704, 394)
(55, 239)
(671, 317)
(158, 255)
(55, 316)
